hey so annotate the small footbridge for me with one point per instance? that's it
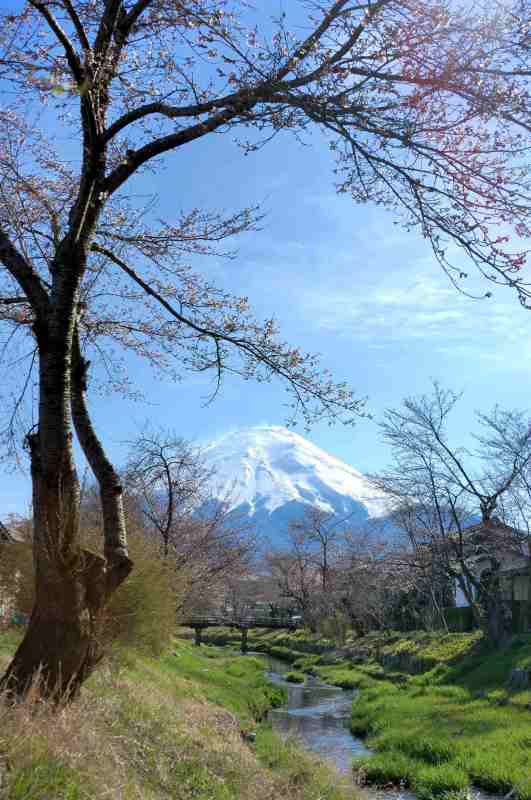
(241, 622)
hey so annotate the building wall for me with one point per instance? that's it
(460, 599)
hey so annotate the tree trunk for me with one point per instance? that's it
(61, 646)
(497, 623)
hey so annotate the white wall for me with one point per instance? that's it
(460, 599)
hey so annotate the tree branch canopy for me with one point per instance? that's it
(424, 104)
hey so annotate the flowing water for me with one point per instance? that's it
(317, 715)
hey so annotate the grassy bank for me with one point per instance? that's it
(436, 708)
(455, 724)
(174, 728)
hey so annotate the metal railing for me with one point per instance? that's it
(228, 620)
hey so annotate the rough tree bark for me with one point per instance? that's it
(61, 644)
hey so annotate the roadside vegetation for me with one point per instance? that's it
(437, 709)
(176, 727)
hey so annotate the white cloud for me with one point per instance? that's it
(424, 308)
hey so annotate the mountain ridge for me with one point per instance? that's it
(272, 474)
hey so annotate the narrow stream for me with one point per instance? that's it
(317, 715)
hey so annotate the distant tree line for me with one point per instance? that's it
(459, 521)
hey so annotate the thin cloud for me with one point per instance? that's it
(424, 310)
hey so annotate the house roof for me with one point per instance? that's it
(485, 536)
(493, 538)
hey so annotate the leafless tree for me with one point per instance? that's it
(170, 478)
(320, 533)
(213, 549)
(359, 579)
(294, 572)
(173, 486)
(441, 491)
(304, 569)
(425, 107)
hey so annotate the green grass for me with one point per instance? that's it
(295, 677)
(45, 779)
(233, 681)
(454, 725)
(286, 645)
(435, 647)
(392, 769)
(306, 663)
(173, 728)
(438, 714)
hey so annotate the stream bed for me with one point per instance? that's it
(317, 715)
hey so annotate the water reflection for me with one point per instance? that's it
(317, 715)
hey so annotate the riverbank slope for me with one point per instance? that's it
(441, 711)
(175, 728)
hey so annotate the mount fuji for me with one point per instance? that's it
(272, 475)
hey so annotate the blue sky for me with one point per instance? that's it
(341, 280)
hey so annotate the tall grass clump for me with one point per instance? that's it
(389, 769)
(443, 780)
(295, 677)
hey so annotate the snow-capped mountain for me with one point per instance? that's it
(272, 474)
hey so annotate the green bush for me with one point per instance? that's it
(141, 613)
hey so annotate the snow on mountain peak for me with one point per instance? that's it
(267, 467)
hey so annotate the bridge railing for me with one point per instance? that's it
(241, 620)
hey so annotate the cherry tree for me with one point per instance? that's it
(171, 483)
(424, 105)
(453, 502)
